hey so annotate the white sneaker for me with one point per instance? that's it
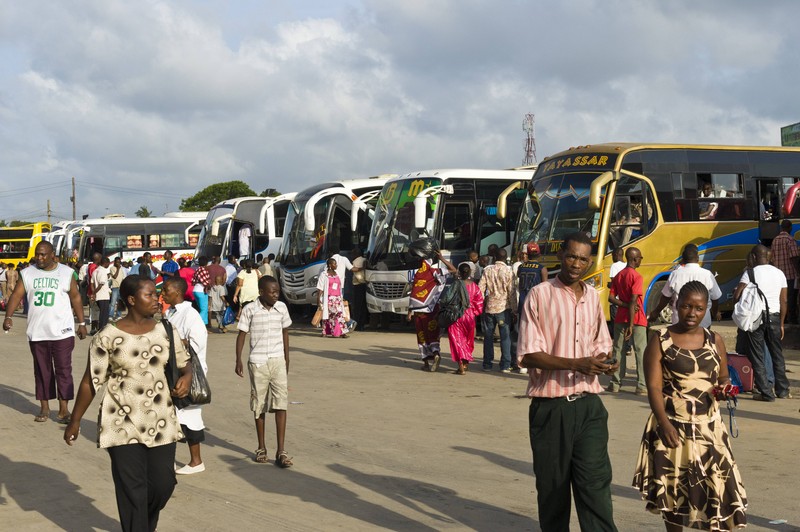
(191, 470)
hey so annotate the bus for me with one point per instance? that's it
(658, 198)
(322, 220)
(457, 207)
(18, 244)
(265, 218)
(130, 238)
(56, 235)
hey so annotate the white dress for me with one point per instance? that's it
(189, 324)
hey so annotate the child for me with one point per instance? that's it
(267, 320)
(217, 304)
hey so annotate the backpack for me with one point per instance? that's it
(751, 310)
(453, 302)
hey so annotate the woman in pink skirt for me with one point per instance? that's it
(461, 333)
(331, 302)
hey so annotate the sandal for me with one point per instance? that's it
(283, 461)
(64, 420)
(261, 456)
(41, 418)
(436, 360)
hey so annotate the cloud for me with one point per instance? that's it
(174, 96)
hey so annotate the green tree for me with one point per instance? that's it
(144, 212)
(213, 194)
(270, 193)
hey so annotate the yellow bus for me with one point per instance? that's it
(17, 244)
(658, 198)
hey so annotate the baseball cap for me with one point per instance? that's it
(533, 248)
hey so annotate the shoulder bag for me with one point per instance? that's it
(199, 390)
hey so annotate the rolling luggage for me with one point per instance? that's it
(744, 369)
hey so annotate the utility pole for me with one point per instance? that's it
(48, 211)
(72, 198)
(529, 127)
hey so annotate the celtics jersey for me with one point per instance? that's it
(49, 308)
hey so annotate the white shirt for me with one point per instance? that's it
(266, 329)
(770, 280)
(189, 324)
(616, 268)
(100, 284)
(342, 265)
(244, 240)
(691, 272)
(49, 307)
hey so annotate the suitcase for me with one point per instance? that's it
(743, 368)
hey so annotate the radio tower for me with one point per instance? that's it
(529, 127)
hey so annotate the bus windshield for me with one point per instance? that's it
(393, 228)
(210, 245)
(301, 247)
(556, 206)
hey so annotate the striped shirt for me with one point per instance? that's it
(784, 254)
(554, 322)
(266, 329)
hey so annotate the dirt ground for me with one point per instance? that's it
(377, 444)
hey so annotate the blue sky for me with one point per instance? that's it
(145, 103)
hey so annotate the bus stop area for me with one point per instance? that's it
(377, 444)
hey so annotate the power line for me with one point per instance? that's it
(114, 188)
(19, 192)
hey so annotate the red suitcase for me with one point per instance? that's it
(744, 368)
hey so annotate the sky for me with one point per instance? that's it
(146, 103)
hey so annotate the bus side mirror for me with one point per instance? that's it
(596, 189)
(215, 228)
(419, 211)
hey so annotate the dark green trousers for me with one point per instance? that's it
(569, 440)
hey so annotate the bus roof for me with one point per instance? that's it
(235, 201)
(621, 148)
(468, 173)
(200, 216)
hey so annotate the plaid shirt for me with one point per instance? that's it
(497, 282)
(202, 277)
(784, 254)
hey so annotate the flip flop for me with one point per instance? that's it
(64, 420)
(41, 418)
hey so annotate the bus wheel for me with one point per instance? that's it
(665, 316)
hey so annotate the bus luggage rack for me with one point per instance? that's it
(389, 290)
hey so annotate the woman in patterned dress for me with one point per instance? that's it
(331, 302)
(137, 424)
(686, 469)
(461, 334)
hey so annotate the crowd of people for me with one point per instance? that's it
(554, 329)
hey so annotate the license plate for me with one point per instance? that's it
(386, 307)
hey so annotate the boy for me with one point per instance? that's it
(267, 320)
(216, 303)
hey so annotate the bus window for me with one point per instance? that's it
(491, 230)
(457, 231)
(727, 191)
(134, 242)
(633, 215)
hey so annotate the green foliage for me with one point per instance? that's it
(213, 194)
(144, 212)
(269, 193)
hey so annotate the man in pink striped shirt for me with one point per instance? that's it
(565, 344)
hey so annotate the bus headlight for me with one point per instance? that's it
(595, 280)
(313, 281)
(370, 290)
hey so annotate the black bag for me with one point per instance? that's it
(453, 302)
(199, 390)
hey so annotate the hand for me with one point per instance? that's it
(7, 323)
(82, 331)
(408, 316)
(235, 299)
(668, 435)
(182, 386)
(629, 331)
(72, 431)
(240, 370)
(781, 331)
(592, 365)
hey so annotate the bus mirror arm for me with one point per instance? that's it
(421, 199)
(596, 189)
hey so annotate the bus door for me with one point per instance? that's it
(769, 198)
(634, 214)
(458, 229)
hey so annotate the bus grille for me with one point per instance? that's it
(293, 280)
(389, 290)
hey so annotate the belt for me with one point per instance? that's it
(569, 398)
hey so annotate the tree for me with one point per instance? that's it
(144, 212)
(269, 193)
(213, 194)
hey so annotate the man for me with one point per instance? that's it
(145, 268)
(564, 342)
(708, 210)
(772, 283)
(101, 292)
(12, 278)
(630, 323)
(3, 283)
(497, 282)
(94, 316)
(169, 268)
(477, 269)
(51, 291)
(784, 256)
(215, 269)
(266, 268)
(245, 232)
(689, 271)
(116, 274)
(231, 271)
(359, 311)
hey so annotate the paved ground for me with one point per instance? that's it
(377, 444)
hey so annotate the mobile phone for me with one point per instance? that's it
(611, 361)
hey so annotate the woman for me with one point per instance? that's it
(686, 469)
(189, 325)
(186, 272)
(246, 286)
(137, 424)
(461, 334)
(330, 301)
(201, 282)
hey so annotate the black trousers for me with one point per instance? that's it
(358, 311)
(103, 305)
(769, 333)
(144, 478)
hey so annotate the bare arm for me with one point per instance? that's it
(239, 347)
(84, 398)
(13, 303)
(662, 303)
(585, 365)
(286, 348)
(544, 274)
(654, 378)
(239, 284)
(784, 308)
(77, 307)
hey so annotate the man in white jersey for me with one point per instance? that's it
(51, 291)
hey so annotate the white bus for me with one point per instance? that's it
(130, 238)
(323, 220)
(265, 218)
(459, 208)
